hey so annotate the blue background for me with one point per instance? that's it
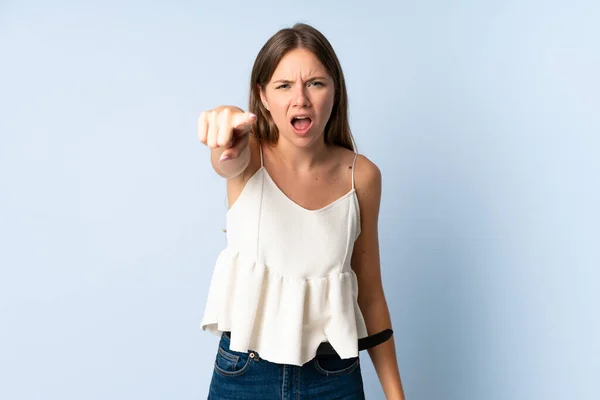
(482, 116)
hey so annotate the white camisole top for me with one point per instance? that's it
(284, 284)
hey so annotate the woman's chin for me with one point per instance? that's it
(303, 141)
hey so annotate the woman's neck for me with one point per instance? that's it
(296, 158)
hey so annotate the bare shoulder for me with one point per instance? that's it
(367, 179)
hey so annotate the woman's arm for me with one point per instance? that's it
(366, 265)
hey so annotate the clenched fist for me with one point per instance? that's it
(226, 127)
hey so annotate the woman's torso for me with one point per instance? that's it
(284, 283)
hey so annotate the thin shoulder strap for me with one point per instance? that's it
(261, 155)
(353, 164)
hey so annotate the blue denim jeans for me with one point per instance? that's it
(239, 375)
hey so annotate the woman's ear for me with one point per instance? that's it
(263, 97)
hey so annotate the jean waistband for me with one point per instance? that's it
(326, 349)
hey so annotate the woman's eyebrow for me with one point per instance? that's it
(308, 80)
(322, 78)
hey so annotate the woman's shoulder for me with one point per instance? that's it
(366, 174)
(365, 170)
(367, 181)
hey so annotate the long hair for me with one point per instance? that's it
(337, 130)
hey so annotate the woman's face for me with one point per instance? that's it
(299, 97)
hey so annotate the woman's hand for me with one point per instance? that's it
(226, 130)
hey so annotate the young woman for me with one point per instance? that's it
(297, 292)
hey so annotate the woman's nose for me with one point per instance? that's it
(301, 99)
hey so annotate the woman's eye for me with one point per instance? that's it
(287, 86)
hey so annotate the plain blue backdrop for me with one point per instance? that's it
(483, 117)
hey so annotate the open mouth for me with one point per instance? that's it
(301, 124)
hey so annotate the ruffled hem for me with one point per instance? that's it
(284, 319)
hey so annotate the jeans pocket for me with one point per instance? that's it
(336, 366)
(231, 363)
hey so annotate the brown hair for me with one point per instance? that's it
(337, 130)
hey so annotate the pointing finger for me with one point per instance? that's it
(243, 119)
